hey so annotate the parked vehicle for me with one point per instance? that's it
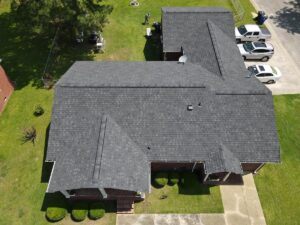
(256, 50)
(265, 73)
(251, 32)
(94, 37)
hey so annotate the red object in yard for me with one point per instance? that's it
(6, 88)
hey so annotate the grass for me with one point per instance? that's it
(124, 34)
(22, 183)
(279, 185)
(193, 197)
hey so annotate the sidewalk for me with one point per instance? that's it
(241, 204)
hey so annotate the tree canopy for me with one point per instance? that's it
(70, 16)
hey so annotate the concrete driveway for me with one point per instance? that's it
(284, 24)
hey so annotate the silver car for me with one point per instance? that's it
(256, 50)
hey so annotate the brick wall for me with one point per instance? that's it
(6, 89)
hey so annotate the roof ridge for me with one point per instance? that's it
(100, 145)
(210, 25)
(129, 86)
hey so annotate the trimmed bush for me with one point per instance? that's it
(96, 211)
(38, 111)
(174, 178)
(79, 211)
(55, 214)
(161, 179)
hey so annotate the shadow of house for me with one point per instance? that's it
(54, 200)
(47, 166)
(191, 184)
(153, 47)
(24, 53)
(289, 17)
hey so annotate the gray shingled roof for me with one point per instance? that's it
(92, 151)
(223, 161)
(145, 105)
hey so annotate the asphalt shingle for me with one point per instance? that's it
(110, 120)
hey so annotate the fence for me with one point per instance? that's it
(238, 10)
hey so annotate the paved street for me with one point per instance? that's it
(284, 25)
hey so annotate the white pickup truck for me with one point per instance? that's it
(251, 32)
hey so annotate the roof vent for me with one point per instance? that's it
(182, 59)
(190, 108)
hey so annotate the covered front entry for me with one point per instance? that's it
(198, 168)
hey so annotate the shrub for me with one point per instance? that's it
(79, 211)
(29, 134)
(174, 178)
(161, 179)
(96, 211)
(54, 214)
(38, 110)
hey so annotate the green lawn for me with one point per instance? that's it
(279, 185)
(22, 185)
(193, 197)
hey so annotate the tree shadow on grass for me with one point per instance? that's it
(288, 17)
(24, 53)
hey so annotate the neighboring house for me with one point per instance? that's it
(6, 88)
(114, 123)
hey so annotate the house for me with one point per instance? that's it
(115, 123)
(6, 88)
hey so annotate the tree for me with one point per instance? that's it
(70, 16)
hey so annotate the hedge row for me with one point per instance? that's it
(79, 212)
(163, 178)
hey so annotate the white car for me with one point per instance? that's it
(251, 32)
(265, 73)
(256, 50)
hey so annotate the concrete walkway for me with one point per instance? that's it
(241, 207)
(284, 26)
(171, 219)
(241, 203)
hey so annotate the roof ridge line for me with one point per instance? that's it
(113, 86)
(216, 47)
(100, 146)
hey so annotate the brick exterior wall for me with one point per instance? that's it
(157, 166)
(6, 89)
(250, 167)
(172, 56)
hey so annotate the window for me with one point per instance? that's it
(242, 29)
(261, 51)
(256, 33)
(213, 177)
(264, 75)
(248, 47)
(248, 34)
(260, 44)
